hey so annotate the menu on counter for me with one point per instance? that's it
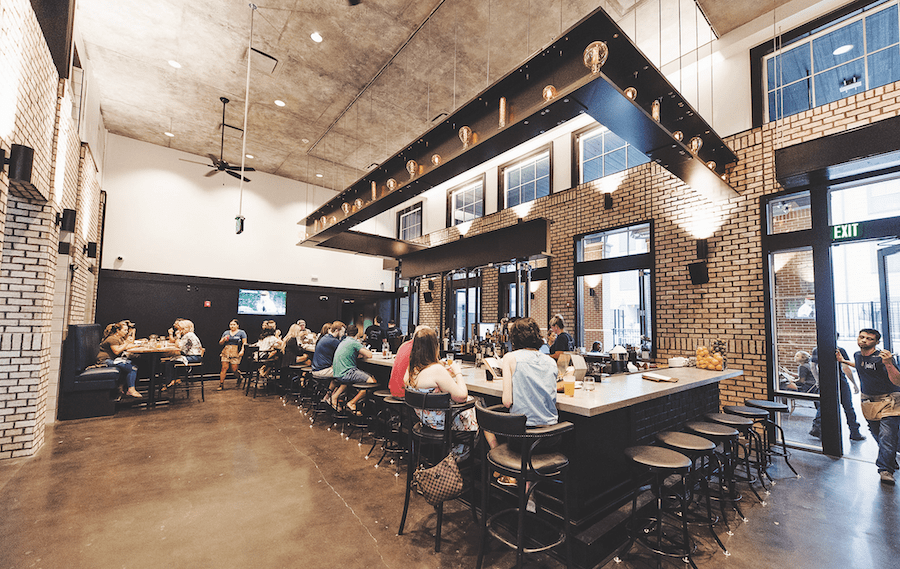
(659, 377)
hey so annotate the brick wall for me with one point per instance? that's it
(37, 287)
(730, 306)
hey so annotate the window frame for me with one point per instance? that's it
(458, 188)
(407, 211)
(501, 173)
(578, 154)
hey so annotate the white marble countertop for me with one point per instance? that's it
(614, 392)
(379, 360)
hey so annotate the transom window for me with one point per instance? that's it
(527, 179)
(602, 153)
(410, 222)
(633, 240)
(851, 55)
(467, 203)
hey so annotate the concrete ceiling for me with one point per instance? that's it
(727, 15)
(385, 70)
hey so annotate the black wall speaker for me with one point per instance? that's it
(21, 159)
(428, 296)
(430, 285)
(699, 273)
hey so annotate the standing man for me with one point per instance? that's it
(879, 381)
(563, 342)
(375, 334)
(844, 371)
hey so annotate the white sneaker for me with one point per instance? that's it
(887, 477)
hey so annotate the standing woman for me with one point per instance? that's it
(234, 340)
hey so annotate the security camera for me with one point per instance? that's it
(323, 298)
(119, 258)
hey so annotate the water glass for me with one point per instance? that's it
(588, 383)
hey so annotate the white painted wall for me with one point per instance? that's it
(164, 216)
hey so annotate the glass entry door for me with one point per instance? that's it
(889, 280)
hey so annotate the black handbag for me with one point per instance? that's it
(441, 482)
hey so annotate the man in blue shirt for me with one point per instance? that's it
(325, 347)
(879, 381)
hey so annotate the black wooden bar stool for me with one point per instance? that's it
(661, 463)
(365, 411)
(727, 437)
(773, 407)
(530, 466)
(745, 427)
(395, 444)
(702, 451)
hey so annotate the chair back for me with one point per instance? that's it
(427, 401)
(394, 342)
(497, 419)
(81, 348)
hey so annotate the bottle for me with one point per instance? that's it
(385, 348)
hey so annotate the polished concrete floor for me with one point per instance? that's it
(238, 482)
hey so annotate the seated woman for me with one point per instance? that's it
(269, 348)
(426, 374)
(808, 381)
(292, 350)
(117, 338)
(189, 344)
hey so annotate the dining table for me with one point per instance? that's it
(155, 352)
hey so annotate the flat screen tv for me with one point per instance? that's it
(264, 302)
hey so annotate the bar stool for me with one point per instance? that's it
(296, 374)
(528, 465)
(704, 450)
(365, 411)
(727, 436)
(745, 427)
(759, 417)
(189, 369)
(661, 463)
(319, 405)
(772, 407)
(394, 443)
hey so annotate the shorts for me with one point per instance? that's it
(354, 375)
(231, 354)
(324, 373)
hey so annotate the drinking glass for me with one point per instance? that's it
(588, 383)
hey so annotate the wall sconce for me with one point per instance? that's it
(702, 248)
(90, 250)
(66, 223)
(591, 292)
(21, 159)
(607, 201)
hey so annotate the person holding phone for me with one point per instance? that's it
(117, 339)
(879, 381)
(233, 340)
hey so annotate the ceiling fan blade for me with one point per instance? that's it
(237, 168)
(210, 173)
(238, 176)
(213, 158)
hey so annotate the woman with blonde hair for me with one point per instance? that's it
(191, 349)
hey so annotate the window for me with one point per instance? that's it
(614, 288)
(602, 153)
(850, 54)
(789, 213)
(466, 203)
(864, 201)
(410, 222)
(527, 180)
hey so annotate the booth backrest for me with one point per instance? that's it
(82, 346)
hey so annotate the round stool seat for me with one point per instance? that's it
(658, 457)
(685, 441)
(382, 393)
(712, 429)
(365, 386)
(730, 420)
(394, 400)
(767, 405)
(754, 413)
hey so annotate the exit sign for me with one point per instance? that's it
(846, 231)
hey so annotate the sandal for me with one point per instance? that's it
(353, 410)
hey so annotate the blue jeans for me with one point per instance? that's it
(886, 432)
(127, 372)
(170, 366)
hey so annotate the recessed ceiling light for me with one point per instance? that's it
(843, 49)
(316, 37)
(304, 140)
(250, 156)
(279, 102)
(174, 64)
(318, 175)
(169, 134)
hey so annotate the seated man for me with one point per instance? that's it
(323, 356)
(345, 370)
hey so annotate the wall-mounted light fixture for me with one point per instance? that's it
(90, 250)
(702, 248)
(21, 159)
(592, 292)
(66, 223)
(607, 201)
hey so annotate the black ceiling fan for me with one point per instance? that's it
(219, 164)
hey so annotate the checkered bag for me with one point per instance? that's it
(441, 482)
